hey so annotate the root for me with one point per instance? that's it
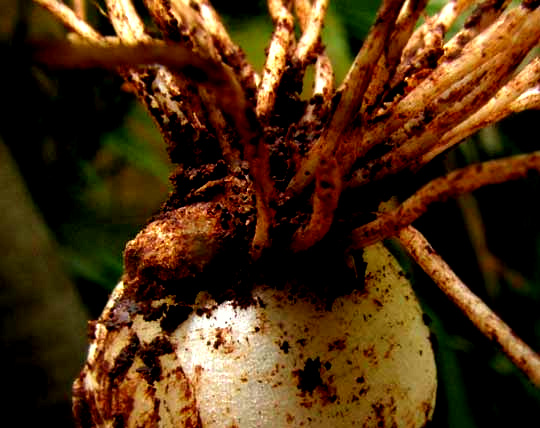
(489, 324)
(461, 181)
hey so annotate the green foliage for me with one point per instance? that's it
(136, 143)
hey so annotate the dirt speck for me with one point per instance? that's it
(338, 345)
(310, 377)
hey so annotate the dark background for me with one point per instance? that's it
(82, 168)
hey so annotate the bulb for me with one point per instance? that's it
(279, 357)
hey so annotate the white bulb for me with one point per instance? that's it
(284, 359)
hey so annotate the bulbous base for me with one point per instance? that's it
(283, 357)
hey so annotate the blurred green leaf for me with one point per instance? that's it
(334, 35)
(131, 142)
(451, 383)
(357, 16)
(100, 267)
(253, 36)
